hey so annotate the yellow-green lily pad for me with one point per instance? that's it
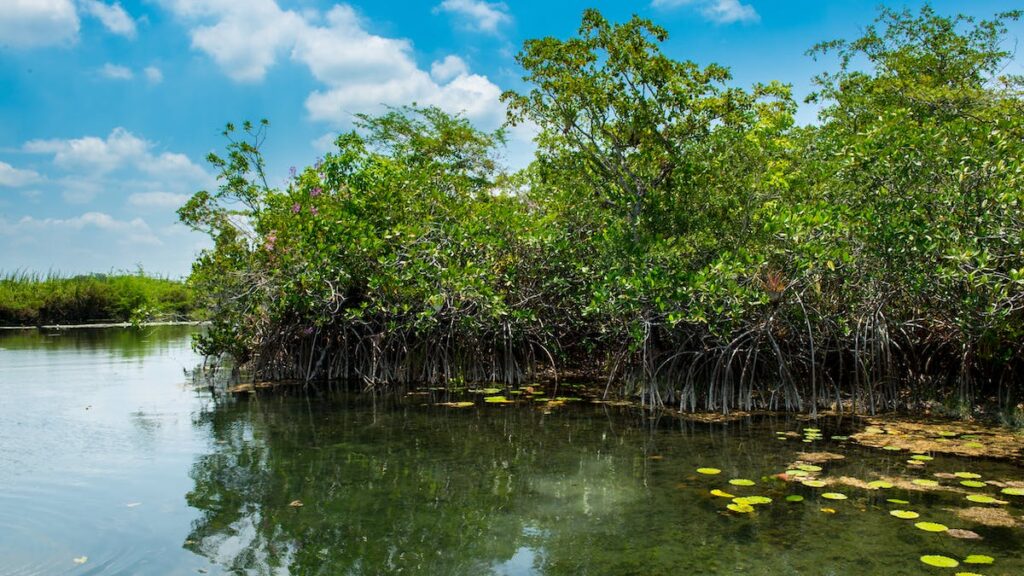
(814, 483)
(797, 473)
(940, 561)
(924, 482)
(1013, 491)
(794, 498)
(752, 500)
(879, 484)
(979, 559)
(972, 484)
(897, 501)
(984, 499)
(721, 493)
(809, 468)
(922, 457)
(833, 496)
(709, 471)
(904, 514)
(741, 482)
(741, 508)
(967, 475)
(892, 448)
(931, 527)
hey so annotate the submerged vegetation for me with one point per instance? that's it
(31, 300)
(676, 234)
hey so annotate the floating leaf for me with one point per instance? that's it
(809, 468)
(984, 499)
(812, 430)
(975, 445)
(457, 404)
(721, 493)
(972, 483)
(814, 483)
(922, 457)
(1013, 491)
(497, 400)
(829, 510)
(904, 514)
(794, 498)
(924, 482)
(741, 482)
(940, 561)
(979, 559)
(840, 438)
(797, 473)
(834, 496)
(879, 484)
(897, 501)
(931, 527)
(892, 448)
(752, 500)
(741, 508)
(709, 471)
(967, 475)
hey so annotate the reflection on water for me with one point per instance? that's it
(108, 451)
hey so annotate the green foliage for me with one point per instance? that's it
(675, 233)
(28, 300)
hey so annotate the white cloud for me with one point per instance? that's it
(116, 72)
(134, 231)
(244, 38)
(153, 74)
(158, 200)
(720, 11)
(478, 15)
(450, 67)
(14, 177)
(38, 23)
(94, 165)
(113, 17)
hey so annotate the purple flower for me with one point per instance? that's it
(316, 192)
(296, 208)
(313, 210)
(308, 331)
(271, 240)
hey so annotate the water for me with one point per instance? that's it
(109, 455)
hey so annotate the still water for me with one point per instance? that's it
(112, 461)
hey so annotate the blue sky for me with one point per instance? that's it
(108, 109)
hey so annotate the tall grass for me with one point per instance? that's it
(33, 299)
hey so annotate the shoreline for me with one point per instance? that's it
(107, 325)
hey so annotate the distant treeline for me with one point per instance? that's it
(32, 299)
(677, 235)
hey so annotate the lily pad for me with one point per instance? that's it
(940, 561)
(752, 500)
(931, 527)
(979, 559)
(458, 404)
(809, 468)
(797, 473)
(922, 457)
(897, 501)
(814, 483)
(721, 493)
(967, 475)
(1013, 491)
(984, 499)
(924, 482)
(741, 482)
(972, 484)
(829, 510)
(708, 471)
(497, 400)
(904, 514)
(833, 496)
(794, 498)
(879, 484)
(741, 508)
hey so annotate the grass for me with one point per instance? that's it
(28, 299)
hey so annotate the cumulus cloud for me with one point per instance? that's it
(94, 164)
(720, 11)
(116, 72)
(38, 23)
(476, 14)
(113, 17)
(158, 200)
(134, 231)
(15, 178)
(360, 72)
(153, 74)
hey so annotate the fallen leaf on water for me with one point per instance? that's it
(296, 504)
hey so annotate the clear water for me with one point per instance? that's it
(109, 455)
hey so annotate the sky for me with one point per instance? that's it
(108, 109)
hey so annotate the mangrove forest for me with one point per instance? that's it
(677, 237)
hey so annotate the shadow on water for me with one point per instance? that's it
(391, 484)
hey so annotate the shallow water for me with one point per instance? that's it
(109, 455)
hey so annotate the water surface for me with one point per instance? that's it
(110, 455)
